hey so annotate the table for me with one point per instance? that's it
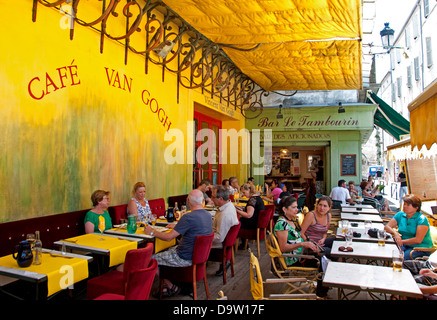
(115, 246)
(364, 250)
(53, 268)
(364, 206)
(364, 235)
(369, 278)
(360, 210)
(360, 217)
(159, 245)
(360, 225)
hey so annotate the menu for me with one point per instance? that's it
(348, 164)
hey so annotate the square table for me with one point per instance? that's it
(57, 271)
(360, 225)
(360, 217)
(358, 205)
(365, 236)
(364, 250)
(369, 278)
(360, 210)
(113, 246)
(159, 245)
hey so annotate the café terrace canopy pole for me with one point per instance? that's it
(171, 43)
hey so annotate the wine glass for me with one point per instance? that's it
(153, 221)
(101, 226)
(31, 238)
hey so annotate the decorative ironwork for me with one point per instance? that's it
(172, 44)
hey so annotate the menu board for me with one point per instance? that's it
(285, 165)
(348, 164)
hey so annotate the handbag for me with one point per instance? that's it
(373, 232)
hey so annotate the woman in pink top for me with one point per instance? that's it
(272, 192)
(316, 223)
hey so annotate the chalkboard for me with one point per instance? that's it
(348, 164)
(285, 165)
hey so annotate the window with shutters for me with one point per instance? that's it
(409, 77)
(415, 27)
(399, 85)
(407, 38)
(428, 52)
(426, 8)
(416, 69)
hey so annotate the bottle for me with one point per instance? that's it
(177, 213)
(37, 249)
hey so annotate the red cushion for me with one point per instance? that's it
(157, 206)
(111, 281)
(117, 213)
(110, 296)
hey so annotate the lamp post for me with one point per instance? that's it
(387, 36)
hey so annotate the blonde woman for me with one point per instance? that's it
(249, 215)
(138, 205)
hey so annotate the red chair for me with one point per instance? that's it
(138, 285)
(118, 212)
(193, 273)
(157, 206)
(264, 218)
(115, 281)
(226, 253)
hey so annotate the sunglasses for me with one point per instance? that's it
(347, 249)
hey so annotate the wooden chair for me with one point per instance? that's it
(307, 275)
(257, 283)
(138, 285)
(193, 273)
(227, 252)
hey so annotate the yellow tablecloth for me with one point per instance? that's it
(61, 272)
(117, 247)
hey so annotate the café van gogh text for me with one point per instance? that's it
(305, 121)
(67, 76)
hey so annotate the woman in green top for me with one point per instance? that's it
(287, 231)
(100, 199)
(413, 228)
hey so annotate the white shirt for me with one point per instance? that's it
(340, 194)
(224, 219)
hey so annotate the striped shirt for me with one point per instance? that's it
(316, 231)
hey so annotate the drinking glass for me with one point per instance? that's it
(367, 225)
(381, 237)
(153, 221)
(184, 209)
(398, 260)
(345, 226)
(101, 226)
(31, 238)
(349, 235)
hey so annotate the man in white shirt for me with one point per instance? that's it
(224, 219)
(340, 194)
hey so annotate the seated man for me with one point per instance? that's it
(340, 195)
(198, 222)
(224, 219)
(424, 273)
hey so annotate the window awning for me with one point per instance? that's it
(387, 118)
(423, 116)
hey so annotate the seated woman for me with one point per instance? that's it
(249, 215)
(272, 192)
(316, 223)
(353, 190)
(413, 228)
(371, 195)
(288, 232)
(138, 205)
(100, 200)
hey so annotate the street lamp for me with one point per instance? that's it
(387, 36)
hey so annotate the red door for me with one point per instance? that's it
(206, 149)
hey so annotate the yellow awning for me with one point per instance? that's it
(304, 44)
(423, 117)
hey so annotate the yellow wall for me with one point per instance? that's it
(99, 125)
